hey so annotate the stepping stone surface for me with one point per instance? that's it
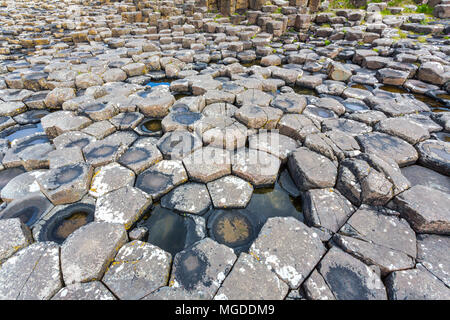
(87, 252)
(138, 269)
(31, 274)
(300, 251)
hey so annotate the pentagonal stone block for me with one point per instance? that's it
(66, 184)
(138, 269)
(111, 177)
(123, 206)
(190, 198)
(230, 192)
(87, 252)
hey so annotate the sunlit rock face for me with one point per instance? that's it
(223, 150)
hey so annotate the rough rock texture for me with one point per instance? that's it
(88, 251)
(138, 269)
(289, 248)
(31, 274)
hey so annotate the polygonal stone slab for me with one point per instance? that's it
(161, 178)
(230, 192)
(387, 146)
(433, 254)
(87, 252)
(111, 177)
(127, 120)
(142, 155)
(418, 175)
(138, 269)
(289, 248)
(316, 288)
(22, 185)
(190, 198)
(350, 279)
(380, 239)
(271, 142)
(14, 235)
(66, 184)
(435, 155)
(427, 210)
(31, 274)
(207, 164)
(251, 280)
(94, 290)
(253, 97)
(403, 128)
(178, 144)
(297, 126)
(326, 208)
(123, 206)
(311, 170)
(73, 139)
(258, 167)
(202, 267)
(290, 102)
(59, 122)
(258, 117)
(66, 156)
(415, 284)
(102, 152)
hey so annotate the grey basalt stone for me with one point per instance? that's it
(178, 144)
(31, 274)
(201, 269)
(289, 248)
(22, 185)
(141, 155)
(350, 279)
(251, 280)
(258, 167)
(139, 269)
(326, 208)
(289, 102)
(14, 235)
(388, 147)
(379, 238)
(418, 175)
(122, 206)
(230, 192)
(190, 198)
(274, 143)
(296, 126)
(87, 252)
(207, 164)
(110, 177)
(427, 210)
(66, 184)
(435, 155)
(94, 290)
(316, 288)
(424, 287)
(403, 128)
(59, 122)
(311, 170)
(162, 177)
(433, 254)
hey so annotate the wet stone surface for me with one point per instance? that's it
(222, 150)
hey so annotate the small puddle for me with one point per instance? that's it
(152, 126)
(23, 131)
(65, 221)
